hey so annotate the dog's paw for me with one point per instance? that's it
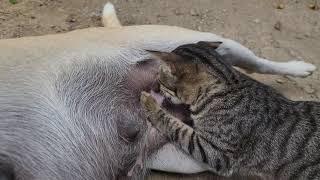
(299, 68)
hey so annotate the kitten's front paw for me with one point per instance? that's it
(151, 107)
(299, 68)
(148, 102)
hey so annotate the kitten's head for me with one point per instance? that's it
(185, 73)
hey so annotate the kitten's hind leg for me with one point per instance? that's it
(109, 16)
(242, 57)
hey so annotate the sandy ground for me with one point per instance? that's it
(279, 34)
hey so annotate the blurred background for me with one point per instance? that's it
(275, 29)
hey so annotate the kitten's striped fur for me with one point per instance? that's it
(240, 125)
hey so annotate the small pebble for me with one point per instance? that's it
(177, 12)
(280, 6)
(276, 44)
(256, 21)
(314, 6)
(71, 20)
(193, 12)
(278, 26)
(307, 35)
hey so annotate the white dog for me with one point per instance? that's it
(69, 103)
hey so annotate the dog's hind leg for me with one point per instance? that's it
(242, 57)
(109, 17)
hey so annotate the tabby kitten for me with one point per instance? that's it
(239, 125)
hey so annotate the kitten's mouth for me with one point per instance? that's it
(167, 102)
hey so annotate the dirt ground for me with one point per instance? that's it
(279, 34)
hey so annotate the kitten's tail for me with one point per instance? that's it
(109, 17)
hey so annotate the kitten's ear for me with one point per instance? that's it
(168, 58)
(164, 56)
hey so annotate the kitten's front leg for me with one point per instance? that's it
(150, 105)
(188, 139)
(151, 138)
(161, 120)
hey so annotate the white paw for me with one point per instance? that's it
(298, 68)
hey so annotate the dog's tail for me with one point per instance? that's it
(109, 16)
